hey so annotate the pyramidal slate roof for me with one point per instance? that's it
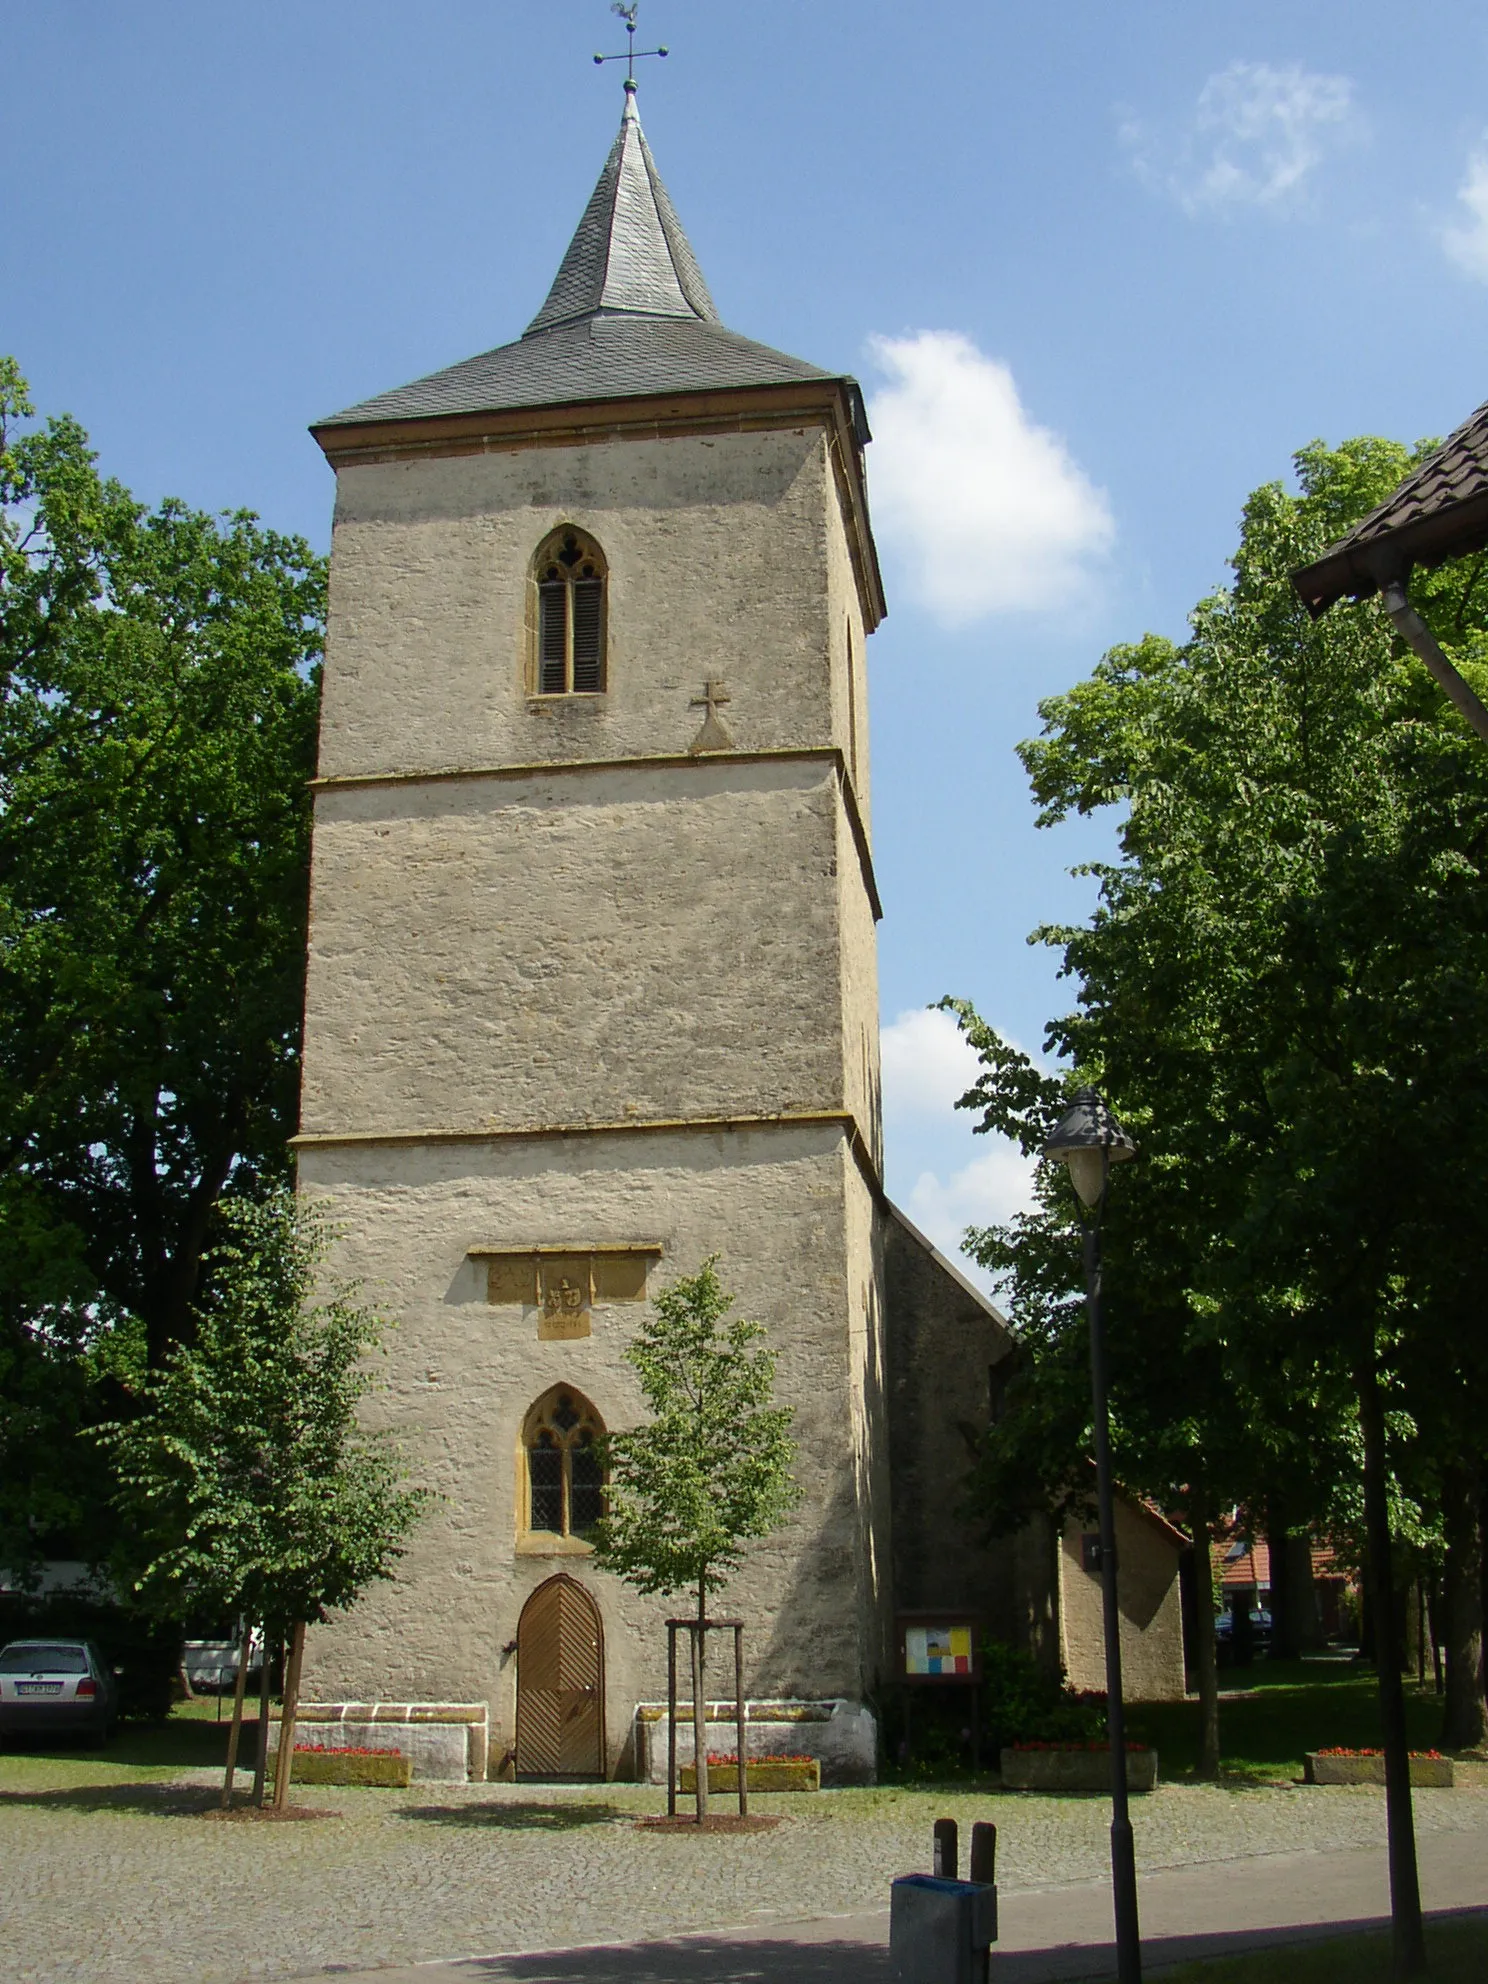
(1439, 511)
(629, 252)
(628, 314)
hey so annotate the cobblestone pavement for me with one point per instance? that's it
(131, 1882)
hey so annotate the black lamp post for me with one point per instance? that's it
(1089, 1140)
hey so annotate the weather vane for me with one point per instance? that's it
(632, 54)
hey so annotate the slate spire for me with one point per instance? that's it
(629, 255)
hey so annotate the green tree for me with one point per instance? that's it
(708, 1472)
(1182, 1431)
(253, 1486)
(157, 726)
(1284, 987)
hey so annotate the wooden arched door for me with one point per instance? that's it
(560, 1683)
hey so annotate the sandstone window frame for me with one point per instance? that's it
(561, 1427)
(568, 611)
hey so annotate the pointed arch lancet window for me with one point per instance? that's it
(570, 575)
(564, 1476)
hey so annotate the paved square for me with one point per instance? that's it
(130, 1882)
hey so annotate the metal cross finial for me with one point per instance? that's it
(632, 54)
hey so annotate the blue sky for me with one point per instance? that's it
(1100, 269)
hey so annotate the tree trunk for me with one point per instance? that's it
(1435, 1621)
(1286, 1641)
(700, 1704)
(1465, 1715)
(284, 1768)
(1206, 1664)
(236, 1729)
(1408, 1933)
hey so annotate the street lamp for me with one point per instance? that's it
(1089, 1140)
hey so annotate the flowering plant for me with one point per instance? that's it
(728, 1761)
(1435, 1756)
(1081, 1747)
(331, 1750)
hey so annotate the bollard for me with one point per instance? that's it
(983, 1868)
(946, 1850)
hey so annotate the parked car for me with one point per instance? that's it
(50, 1685)
(1260, 1628)
(213, 1663)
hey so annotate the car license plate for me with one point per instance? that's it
(38, 1687)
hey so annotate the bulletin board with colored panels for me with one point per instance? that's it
(938, 1648)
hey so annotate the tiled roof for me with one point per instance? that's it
(596, 358)
(1440, 511)
(1251, 1562)
(628, 314)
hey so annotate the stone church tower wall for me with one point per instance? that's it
(592, 977)
(461, 1372)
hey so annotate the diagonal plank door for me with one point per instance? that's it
(560, 1683)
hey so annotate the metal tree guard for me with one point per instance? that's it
(697, 1630)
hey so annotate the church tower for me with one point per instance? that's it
(592, 983)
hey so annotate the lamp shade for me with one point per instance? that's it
(1088, 1138)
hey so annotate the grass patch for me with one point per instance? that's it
(1456, 1953)
(1295, 1706)
(138, 1752)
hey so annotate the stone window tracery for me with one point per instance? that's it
(563, 1474)
(570, 578)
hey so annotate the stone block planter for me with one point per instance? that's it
(840, 1734)
(1428, 1773)
(761, 1774)
(1078, 1771)
(379, 1767)
(445, 1741)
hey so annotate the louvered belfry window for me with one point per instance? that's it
(570, 572)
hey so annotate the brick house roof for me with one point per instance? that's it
(1440, 511)
(1251, 1562)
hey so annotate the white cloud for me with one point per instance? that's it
(1252, 139)
(987, 511)
(928, 1063)
(957, 1180)
(986, 1192)
(1466, 240)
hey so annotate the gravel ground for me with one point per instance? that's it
(129, 1882)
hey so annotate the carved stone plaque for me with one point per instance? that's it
(512, 1278)
(563, 1285)
(567, 1293)
(621, 1277)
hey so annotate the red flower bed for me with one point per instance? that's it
(730, 1761)
(1072, 1746)
(333, 1750)
(1435, 1755)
